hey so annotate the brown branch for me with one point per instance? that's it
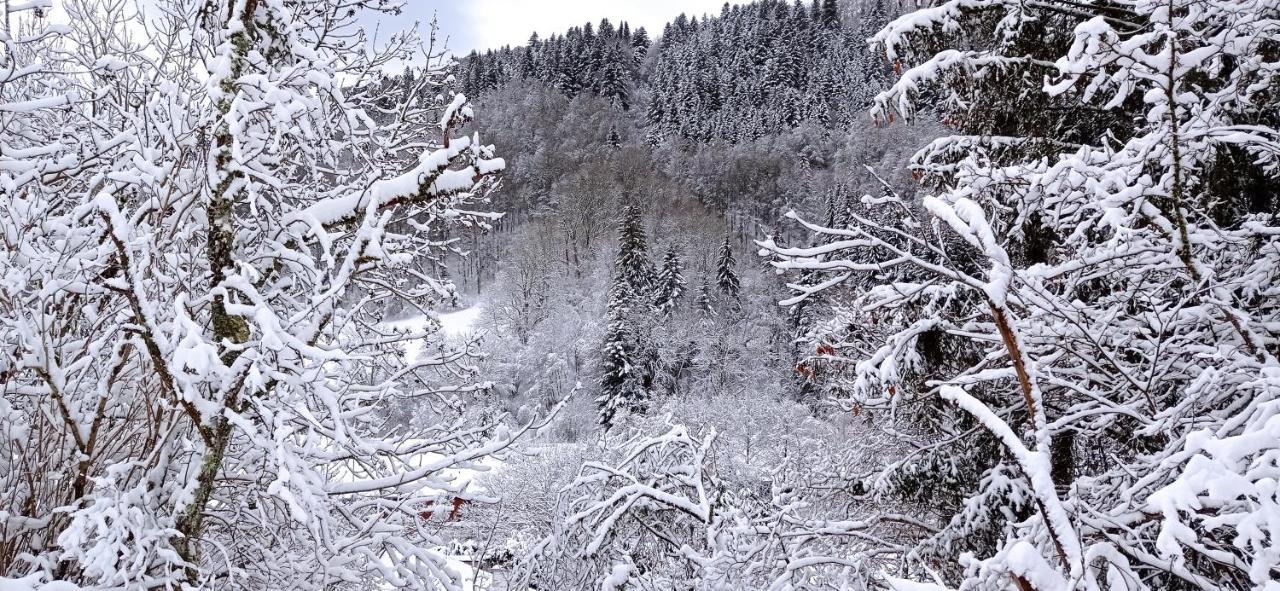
(148, 340)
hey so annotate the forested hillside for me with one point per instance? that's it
(954, 373)
(754, 70)
(848, 295)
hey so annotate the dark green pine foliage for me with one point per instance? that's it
(613, 79)
(727, 271)
(622, 387)
(839, 206)
(753, 70)
(633, 262)
(604, 60)
(572, 59)
(703, 301)
(639, 45)
(671, 283)
(830, 16)
(762, 68)
(473, 75)
(629, 358)
(527, 63)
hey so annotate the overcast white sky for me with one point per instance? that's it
(486, 24)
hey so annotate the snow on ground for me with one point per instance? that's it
(460, 323)
(455, 326)
(897, 584)
(34, 583)
(472, 579)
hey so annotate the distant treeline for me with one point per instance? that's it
(752, 71)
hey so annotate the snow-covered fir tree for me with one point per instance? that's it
(622, 388)
(727, 271)
(633, 264)
(602, 59)
(670, 283)
(704, 300)
(760, 68)
(1026, 342)
(613, 79)
(752, 70)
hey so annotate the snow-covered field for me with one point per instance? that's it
(456, 326)
(460, 323)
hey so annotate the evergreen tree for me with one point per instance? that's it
(751, 71)
(629, 357)
(838, 207)
(593, 63)
(634, 265)
(527, 66)
(830, 14)
(493, 72)
(613, 79)
(758, 69)
(727, 271)
(671, 283)
(473, 76)
(620, 390)
(571, 64)
(640, 45)
(783, 65)
(703, 300)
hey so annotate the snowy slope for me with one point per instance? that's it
(456, 326)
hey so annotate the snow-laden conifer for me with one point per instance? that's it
(670, 282)
(727, 271)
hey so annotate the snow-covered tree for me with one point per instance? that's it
(206, 212)
(640, 45)
(633, 264)
(670, 283)
(830, 14)
(623, 387)
(1084, 290)
(613, 79)
(727, 271)
(704, 300)
(672, 507)
(524, 299)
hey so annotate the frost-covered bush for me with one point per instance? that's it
(1086, 281)
(206, 208)
(677, 503)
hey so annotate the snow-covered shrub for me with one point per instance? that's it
(205, 210)
(764, 504)
(1087, 282)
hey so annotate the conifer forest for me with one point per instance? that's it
(788, 295)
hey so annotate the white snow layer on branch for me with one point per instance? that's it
(1133, 270)
(198, 389)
